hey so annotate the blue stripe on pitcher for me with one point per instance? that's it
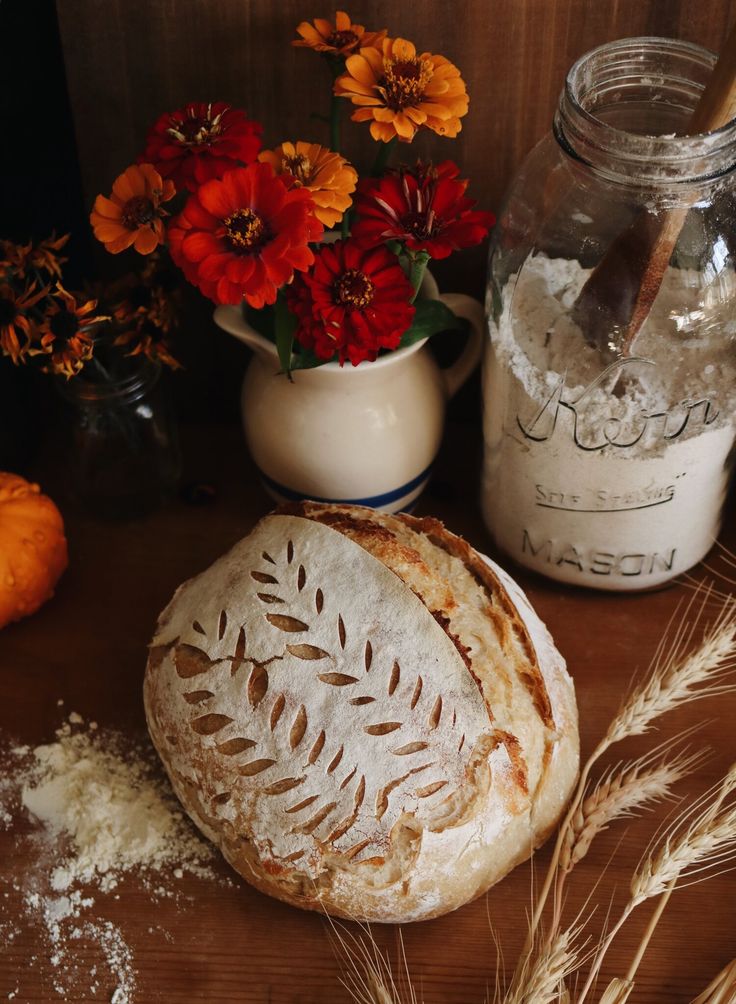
(374, 501)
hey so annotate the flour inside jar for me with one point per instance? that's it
(608, 475)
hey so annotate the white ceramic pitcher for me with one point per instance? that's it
(364, 434)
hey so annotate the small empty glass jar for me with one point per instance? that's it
(607, 463)
(124, 456)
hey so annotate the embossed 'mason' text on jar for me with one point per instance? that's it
(605, 469)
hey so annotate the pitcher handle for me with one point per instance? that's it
(231, 319)
(472, 310)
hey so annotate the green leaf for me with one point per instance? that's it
(431, 317)
(418, 268)
(285, 323)
(263, 321)
(305, 359)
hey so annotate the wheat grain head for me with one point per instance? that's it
(678, 674)
(541, 979)
(625, 790)
(700, 839)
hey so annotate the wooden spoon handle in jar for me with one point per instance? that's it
(638, 259)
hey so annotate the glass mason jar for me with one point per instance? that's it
(607, 464)
(124, 456)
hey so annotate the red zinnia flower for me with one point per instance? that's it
(243, 236)
(177, 231)
(353, 303)
(425, 207)
(201, 141)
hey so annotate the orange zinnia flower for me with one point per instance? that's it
(340, 39)
(399, 91)
(64, 334)
(14, 323)
(132, 214)
(326, 175)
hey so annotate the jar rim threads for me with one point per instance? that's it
(624, 112)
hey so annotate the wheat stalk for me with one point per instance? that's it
(368, 976)
(699, 840)
(624, 790)
(723, 988)
(676, 676)
(709, 838)
(617, 992)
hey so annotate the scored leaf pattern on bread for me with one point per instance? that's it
(330, 719)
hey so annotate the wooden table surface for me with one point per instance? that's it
(228, 943)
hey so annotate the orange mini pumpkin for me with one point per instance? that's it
(33, 550)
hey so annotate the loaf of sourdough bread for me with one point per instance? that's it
(363, 713)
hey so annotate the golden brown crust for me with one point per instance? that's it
(381, 542)
(459, 548)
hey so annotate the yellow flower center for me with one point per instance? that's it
(353, 289)
(340, 39)
(137, 212)
(299, 166)
(245, 229)
(405, 81)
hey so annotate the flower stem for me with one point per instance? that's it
(644, 943)
(551, 876)
(601, 953)
(335, 115)
(416, 273)
(384, 152)
(337, 66)
(285, 325)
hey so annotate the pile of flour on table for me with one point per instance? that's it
(94, 810)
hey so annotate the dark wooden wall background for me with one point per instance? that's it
(110, 67)
(129, 60)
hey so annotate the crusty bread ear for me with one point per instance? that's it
(363, 713)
